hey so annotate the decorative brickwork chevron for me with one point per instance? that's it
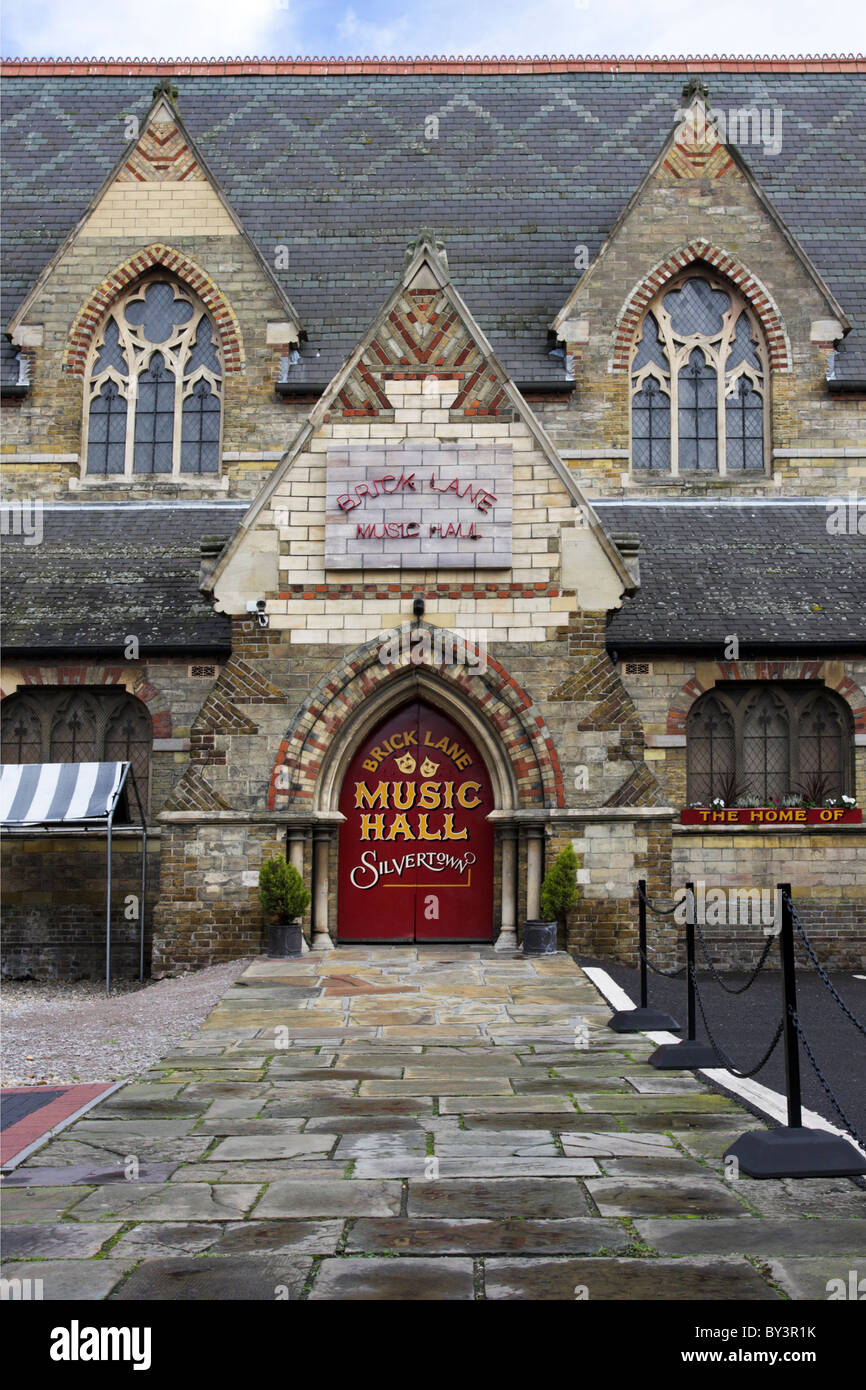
(219, 714)
(194, 793)
(423, 336)
(162, 155)
(598, 684)
(639, 789)
(692, 161)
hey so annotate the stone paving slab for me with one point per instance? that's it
(768, 1237)
(616, 1278)
(68, 1240)
(426, 1129)
(404, 1279)
(844, 1278)
(71, 1280)
(672, 1196)
(580, 1236)
(200, 1279)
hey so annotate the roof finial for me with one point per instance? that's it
(166, 88)
(437, 245)
(695, 87)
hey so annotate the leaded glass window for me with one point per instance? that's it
(770, 740)
(699, 382)
(154, 387)
(62, 725)
(710, 749)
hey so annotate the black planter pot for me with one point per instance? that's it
(539, 938)
(284, 939)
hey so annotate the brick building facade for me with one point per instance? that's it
(574, 472)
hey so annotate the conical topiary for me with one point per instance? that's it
(559, 891)
(281, 890)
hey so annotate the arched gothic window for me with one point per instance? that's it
(770, 740)
(699, 381)
(63, 725)
(153, 398)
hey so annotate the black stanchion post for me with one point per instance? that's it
(793, 1151)
(643, 1019)
(641, 936)
(689, 1054)
(789, 1011)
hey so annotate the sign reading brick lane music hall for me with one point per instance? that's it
(403, 507)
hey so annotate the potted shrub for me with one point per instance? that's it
(284, 900)
(559, 893)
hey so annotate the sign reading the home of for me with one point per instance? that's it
(401, 507)
(772, 815)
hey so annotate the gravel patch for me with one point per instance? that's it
(71, 1031)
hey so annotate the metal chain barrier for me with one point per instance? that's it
(720, 1051)
(858, 1138)
(667, 974)
(825, 979)
(660, 911)
(752, 978)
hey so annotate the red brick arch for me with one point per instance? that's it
(90, 316)
(494, 697)
(758, 297)
(850, 692)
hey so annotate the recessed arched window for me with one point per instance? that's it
(769, 740)
(153, 395)
(699, 381)
(62, 725)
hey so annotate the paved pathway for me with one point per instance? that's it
(417, 1123)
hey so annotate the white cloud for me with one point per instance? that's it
(146, 28)
(211, 28)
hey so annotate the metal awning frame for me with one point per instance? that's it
(103, 824)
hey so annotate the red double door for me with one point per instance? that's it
(416, 847)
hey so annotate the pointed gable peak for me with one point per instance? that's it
(697, 148)
(163, 152)
(424, 333)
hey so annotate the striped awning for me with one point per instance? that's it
(59, 793)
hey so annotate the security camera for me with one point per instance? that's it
(258, 606)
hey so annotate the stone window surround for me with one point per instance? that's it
(184, 338)
(740, 304)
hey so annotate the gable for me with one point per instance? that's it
(422, 457)
(699, 184)
(159, 191)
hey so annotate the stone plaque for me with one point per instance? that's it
(419, 507)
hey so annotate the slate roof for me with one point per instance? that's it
(106, 570)
(770, 573)
(525, 168)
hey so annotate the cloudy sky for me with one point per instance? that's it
(207, 28)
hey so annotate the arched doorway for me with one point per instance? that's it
(416, 847)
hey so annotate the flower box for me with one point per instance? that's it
(771, 815)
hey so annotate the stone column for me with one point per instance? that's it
(534, 861)
(297, 836)
(507, 938)
(321, 846)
